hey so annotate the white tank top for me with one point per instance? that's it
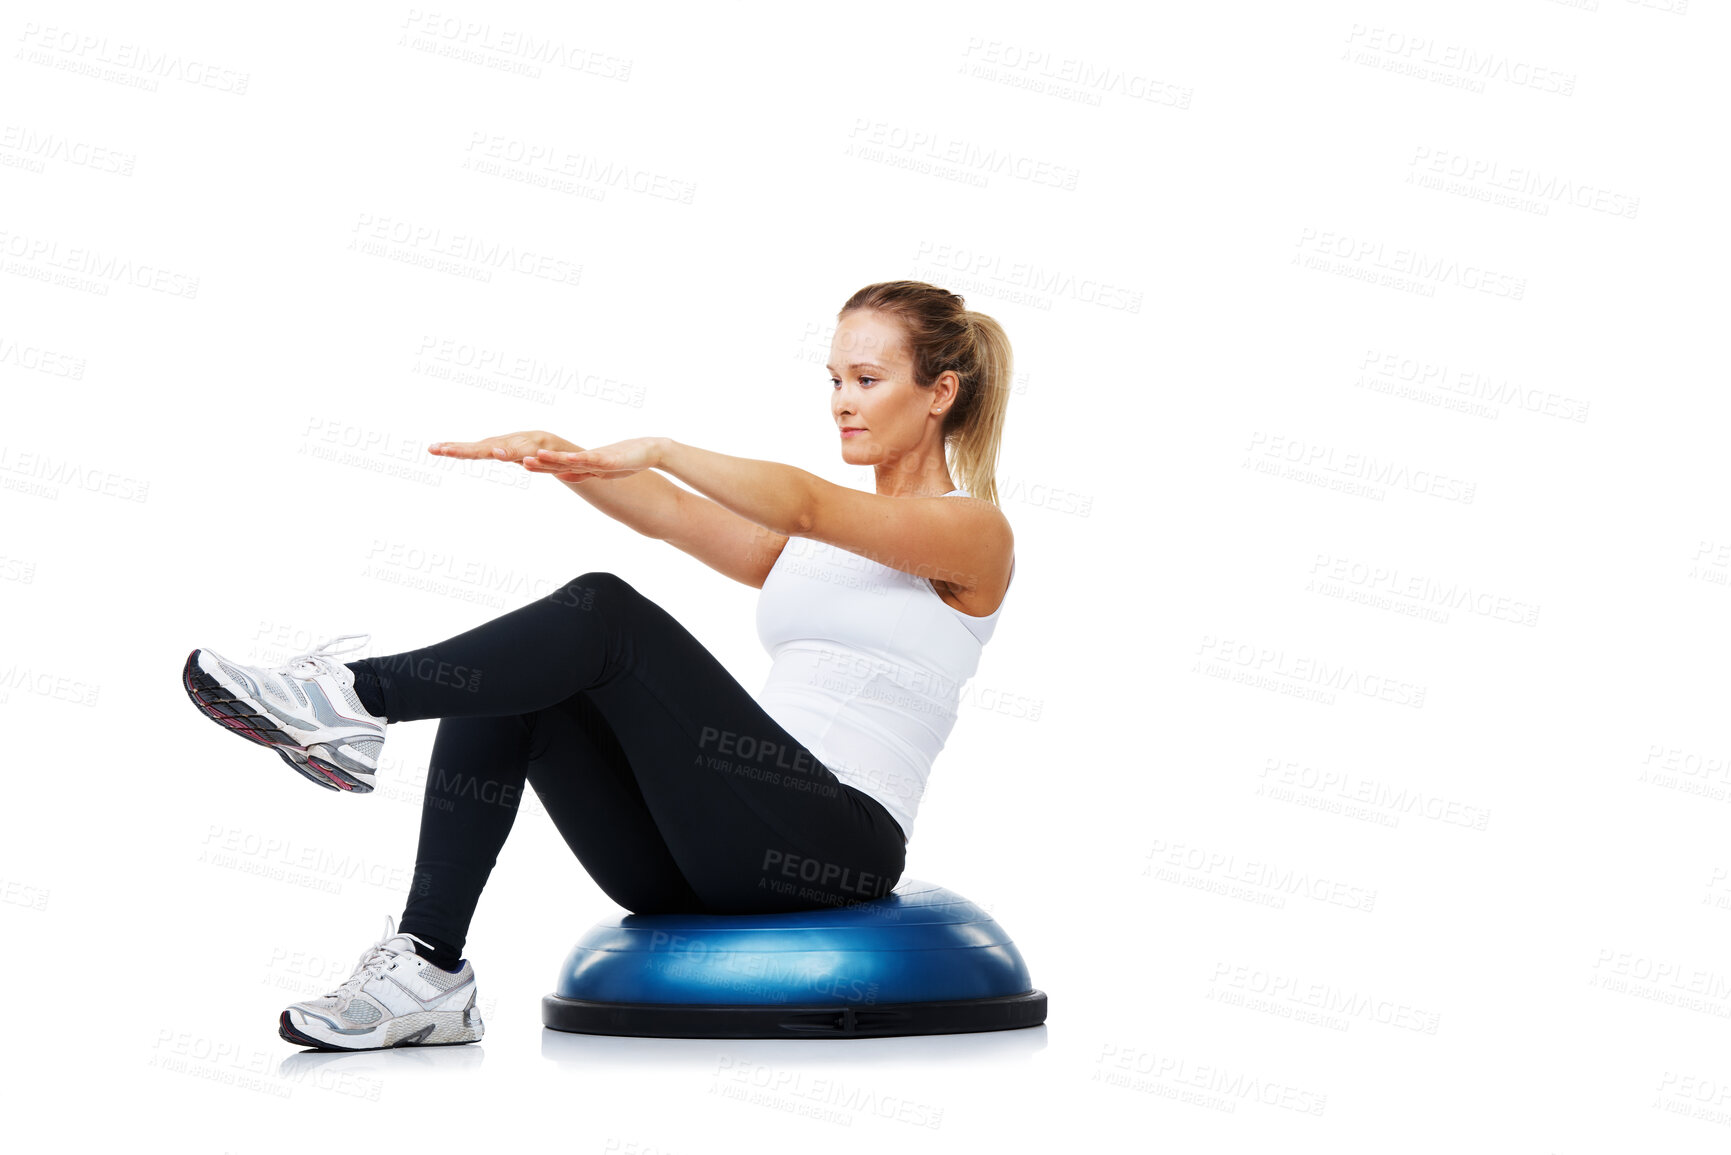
(869, 664)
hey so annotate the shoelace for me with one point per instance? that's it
(311, 663)
(374, 960)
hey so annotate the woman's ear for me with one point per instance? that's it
(947, 386)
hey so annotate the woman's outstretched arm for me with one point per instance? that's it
(647, 502)
(778, 497)
(965, 542)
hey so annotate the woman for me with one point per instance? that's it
(676, 790)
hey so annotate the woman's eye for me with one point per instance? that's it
(837, 382)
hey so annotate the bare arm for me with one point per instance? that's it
(647, 501)
(690, 522)
(966, 543)
(651, 505)
(778, 497)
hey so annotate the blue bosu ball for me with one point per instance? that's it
(922, 960)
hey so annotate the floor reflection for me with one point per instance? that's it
(322, 1066)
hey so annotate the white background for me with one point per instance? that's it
(1350, 761)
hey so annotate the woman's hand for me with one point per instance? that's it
(621, 459)
(519, 447)
(541, 452)
(505, 447)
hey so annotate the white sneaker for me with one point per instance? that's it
(395, 998)
(306, 709)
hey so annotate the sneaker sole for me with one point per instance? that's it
(298, 760)
(291, 1034)
(243, 716)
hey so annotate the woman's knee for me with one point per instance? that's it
(586, 590)
(598, 578)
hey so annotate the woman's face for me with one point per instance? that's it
(872, 391)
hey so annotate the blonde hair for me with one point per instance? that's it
(943, 334)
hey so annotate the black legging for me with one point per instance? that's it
(672, 786)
